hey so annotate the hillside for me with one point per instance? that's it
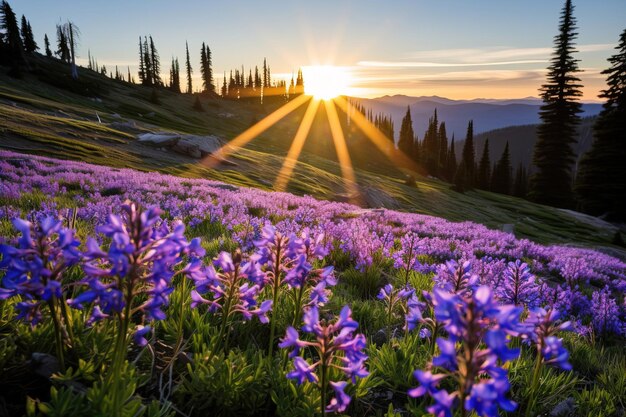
(40, 118)
(487, 114)
(522, 141)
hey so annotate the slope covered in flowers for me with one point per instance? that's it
(427, 295)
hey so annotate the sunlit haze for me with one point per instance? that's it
(457, 49)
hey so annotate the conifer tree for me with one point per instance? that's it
(142, 64)
(501, 180)
(189, 70)
(46, 43)
(520, 186)
(553, 155)
(484, 169)
(467, 160)
(451, 161)
(28, 39)
(257, 79)
(405, 142)
(63, 50)
(209, 70)
(203, 67)
(601, 180)
(443, 150)
(155, 65)
(224, 87)
(12, 40)
(265, 78)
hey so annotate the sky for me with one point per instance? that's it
(460, 49)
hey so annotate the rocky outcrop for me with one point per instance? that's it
(193, 146)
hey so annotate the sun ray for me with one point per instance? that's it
(296, 146)
(377, 137)
(254, 131)
(347, 172)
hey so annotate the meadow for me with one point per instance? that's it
(137, 293)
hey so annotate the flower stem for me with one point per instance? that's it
(57, 333)
(534, 384)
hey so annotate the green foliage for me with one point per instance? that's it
(362, 284)
(394, 363)
(225, 384)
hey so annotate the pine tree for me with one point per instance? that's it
(484, 169)
(430, 154)
(520, 186)
(155, 64)
(501, 180)
(142, 64)
(265, 78)
(209, 70)
(553, 155)
(73, 44)
(443, 150)
(147, 62)
(451, 161)
(203, 67)
(189, 71)
(46, 43)
(28, 39)
(63, 50)
(257, 79)
(405, 142)
(601, 180)
(13, 44)
(468, 158)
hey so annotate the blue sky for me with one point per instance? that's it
(453, 48)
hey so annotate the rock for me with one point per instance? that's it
(565, 408)
(44, 364)
(188, 148)
(159, 139)
(380, 337)
(225, 187)
(206, 144)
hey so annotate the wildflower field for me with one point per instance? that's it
(125, 293)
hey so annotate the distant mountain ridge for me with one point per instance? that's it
(487, 114)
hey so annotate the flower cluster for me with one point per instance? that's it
(476, 370)
(456, 278)
(336, 346)
(231, 288)
(35, 268)
(541, 329)
(518, 286)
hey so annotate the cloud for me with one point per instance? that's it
(415, 64)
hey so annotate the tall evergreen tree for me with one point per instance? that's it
(553, 155)
(443, 150)
(46, 43)
(501, 180)
(189, 70)
(13, 45)
(265, 78)
(209, 70)
(468, 159)
(601, 180)
(155, 64)
(520, 186)
(451, 161)
(257, 79)
(28, 39)
(63, 49)
(203, 67)
(142, 64)
(430, 154)
(484, 169)
(405, 142)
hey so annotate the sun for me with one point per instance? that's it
(325, 82)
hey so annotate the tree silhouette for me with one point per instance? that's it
(155, 65)
(28, 39)
(464, 178)
(601, 179)
(12, 41)
(405, 141)
(553, 154)
(46, 43)
(443, 150)
(189, 70)
(451, 161)
(520, 186)
(63, 49)
(501, 179)
(484, 169)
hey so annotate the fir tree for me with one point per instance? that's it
(257, 79)
(155, 65)
(601, 178)
(443, 150)
(451, 161)
(430, 154)
(189, 70)
(209, 70)
(46, 43)
(553, 155)
(467, 160)
(484, 169)
(501, 180)
(63, 50)
(520, 186)
(405, 142)
(265, 77)
(142, 64)
(28, 39)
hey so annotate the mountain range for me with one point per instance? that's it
(487, 114)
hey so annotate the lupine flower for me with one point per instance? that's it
(230, 288)
(329, 341)
(405, 258)
(518, 286)
(139, 260)
(542, 327)
(606, 317)
(481, 385)
(456, 278)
